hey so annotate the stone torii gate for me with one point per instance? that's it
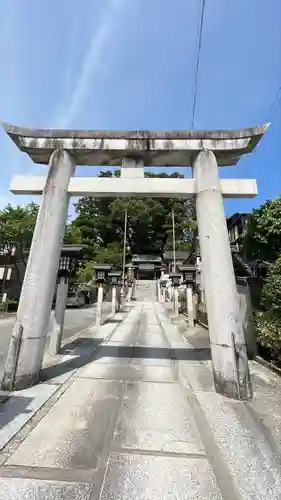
(204, 151)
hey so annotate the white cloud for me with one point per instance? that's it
(94, 57)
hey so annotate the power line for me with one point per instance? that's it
(199, 44)
(273, 106)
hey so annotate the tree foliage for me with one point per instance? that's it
(16, 228)
(262, 239)
(271, 293)
(269, 320)
(99, 224)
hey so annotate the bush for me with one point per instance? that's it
(9, 306)
(271, 293)
(3, 307)
(12, 305)
(268, 328)
(268, 322)
(182, 301)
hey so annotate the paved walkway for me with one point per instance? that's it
(140, 420)
(75, 320)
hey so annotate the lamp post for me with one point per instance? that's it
(114, 280)
(176, 277)
(189, 276)
(102, 271)
(70, 256)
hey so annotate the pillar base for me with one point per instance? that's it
(22, 382)
(231, 372)
(228, 388)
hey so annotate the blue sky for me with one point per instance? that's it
(130, 64)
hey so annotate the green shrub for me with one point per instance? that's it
(182, 300)
(3, 307)
(268, 322)
(268, 328)
(271, 293)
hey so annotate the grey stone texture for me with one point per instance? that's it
(229, 353)
(20, 407)
(140, 419)
(27, 345)
(105, 147)
(33, 489)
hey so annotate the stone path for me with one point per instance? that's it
(140, 420)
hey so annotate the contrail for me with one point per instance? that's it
(93, 57)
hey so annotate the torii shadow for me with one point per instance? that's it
(92, 350)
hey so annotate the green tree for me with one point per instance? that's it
(268, 321)
(101, 222)
(16, 231)
(111, 254)
(85, 273)
(262, 239)
(17, 226)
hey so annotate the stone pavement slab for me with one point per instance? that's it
(140, 477)
(157, 417)
(250, 457)
(33, 489)
(20, 407)
(73, 432)
(129, 372)
(141, 420)
(246, 433)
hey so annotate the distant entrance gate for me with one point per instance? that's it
(204, 151)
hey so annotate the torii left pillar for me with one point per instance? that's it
(27, 345)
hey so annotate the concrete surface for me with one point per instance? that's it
(139, 188)
(229, 352)
(139, 418)
(100, 147)
(75, 320)
(57, 370)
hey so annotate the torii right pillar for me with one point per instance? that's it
(229, 354)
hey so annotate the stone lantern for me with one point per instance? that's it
(102, 271)
(189, 274)
(69, 259)
(114, 278)
(189, 277)
(176, 278)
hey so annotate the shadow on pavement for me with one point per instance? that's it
(12, 413)
(152, 353)
(14, 406)
(86, 355)
(112, 320)
(81, 357)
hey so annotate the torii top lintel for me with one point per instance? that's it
(98, 147)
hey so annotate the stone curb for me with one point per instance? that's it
(268, 365)
(173, 346)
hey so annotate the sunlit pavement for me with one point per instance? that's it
(75, 320)
(139, 419)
